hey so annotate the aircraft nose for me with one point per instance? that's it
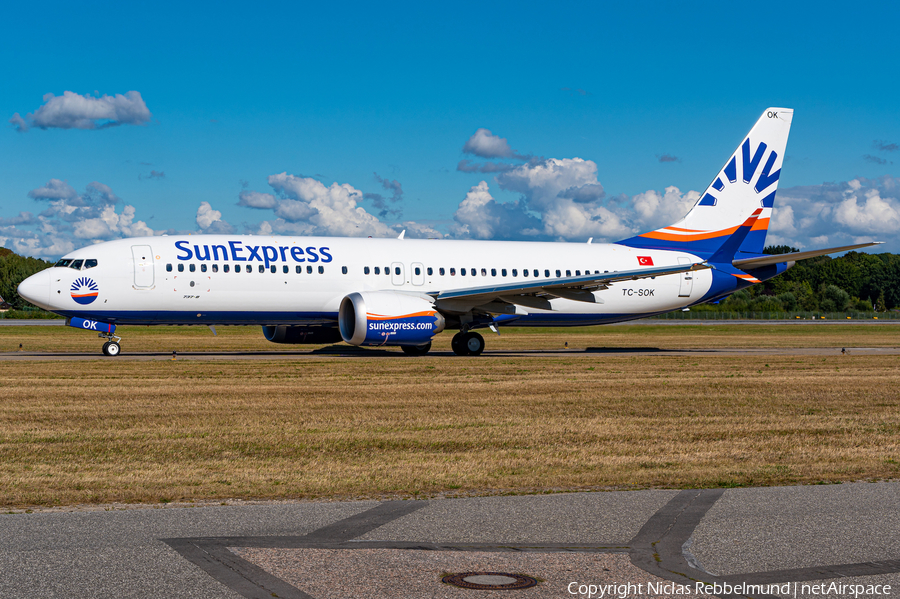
(36, 289)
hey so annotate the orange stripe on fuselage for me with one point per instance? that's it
(383, 317)
(94, 294)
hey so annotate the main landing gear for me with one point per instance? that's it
(467, 344)
(111, 347)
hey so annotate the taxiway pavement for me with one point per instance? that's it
(844, 534)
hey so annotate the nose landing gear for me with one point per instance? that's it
(111, 347)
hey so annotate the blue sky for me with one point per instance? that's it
(352, 119)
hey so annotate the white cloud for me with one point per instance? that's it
(53, 190)
(874, 214)
(841, 212)
(479, 216)
(70, 220)
(74, 111)
(485, 144)
(306, 206)
(254, 199)
(207, 217)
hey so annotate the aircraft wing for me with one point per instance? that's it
(535, 293)
(751, 263)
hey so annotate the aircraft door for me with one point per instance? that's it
(143, 266)
(397, 277)
(418, 273)
(687, 279)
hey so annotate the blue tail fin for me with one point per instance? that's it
(745, 185)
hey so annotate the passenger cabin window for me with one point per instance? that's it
(225, 268)
(192, 267)
(343, 270)
(515, 273)
(215, 268)
(250, 268)
(493, 272)
(418, 270)
(577, 273)
(322, 270)
(308, 269)
(387, 270)
(503, 272)
(396, 270)
(377, 270)
(536, 273)
(299, 270)
(430, 271)
(285, 269)
(365, 270)
(168, 268)
(462, 272)
(558, 274)
(202, 268)
(524, 272)
(90, 263)
(441, 271)
(547, 272)
(273, 269)
(452, 272)
(262, 268)
(568, 273)
(181, 268)
(483, 272)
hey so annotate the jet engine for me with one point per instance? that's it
(388, 318)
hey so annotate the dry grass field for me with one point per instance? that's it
(120, 430)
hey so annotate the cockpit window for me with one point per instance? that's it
(63, 262)
(76, 264)
(90, 263)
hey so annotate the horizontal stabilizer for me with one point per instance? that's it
(751, 263)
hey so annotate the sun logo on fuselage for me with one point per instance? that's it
(84, 290)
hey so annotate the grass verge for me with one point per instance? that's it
(157, 431)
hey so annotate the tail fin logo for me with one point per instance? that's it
(749, 166)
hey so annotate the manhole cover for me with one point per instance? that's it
(490, 581)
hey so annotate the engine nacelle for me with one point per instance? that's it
(388, 318)
(299, 334)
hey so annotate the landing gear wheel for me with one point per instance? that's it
(473, 343)
(416, 350)
(111, 348)
(456, 344)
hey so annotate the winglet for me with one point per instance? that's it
(402, 233)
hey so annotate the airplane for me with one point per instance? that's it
(403, 292)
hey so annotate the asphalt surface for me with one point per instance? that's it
(347, 352)
(848, 534)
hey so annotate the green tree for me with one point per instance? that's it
(13, 270)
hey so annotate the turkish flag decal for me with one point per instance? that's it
(645, 260)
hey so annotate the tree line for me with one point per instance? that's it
(853, 282)
(13, 270)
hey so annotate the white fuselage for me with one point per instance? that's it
(183, 279)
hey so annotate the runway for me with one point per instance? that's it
(846, 534)
(347, 352)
